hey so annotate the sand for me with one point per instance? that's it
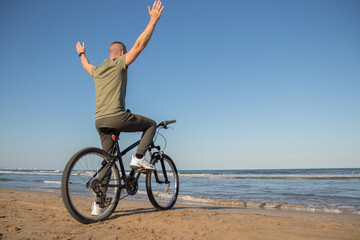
(41, 215)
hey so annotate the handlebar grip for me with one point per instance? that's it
(168, 122)
(165, 123)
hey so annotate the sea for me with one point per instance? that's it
(331, 190)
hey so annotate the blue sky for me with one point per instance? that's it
(253, 84)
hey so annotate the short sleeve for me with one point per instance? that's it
(120, 61)
(93, 70)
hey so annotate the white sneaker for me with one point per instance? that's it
(96, 210)
(141, 163)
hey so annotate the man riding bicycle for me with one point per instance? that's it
(110, 80)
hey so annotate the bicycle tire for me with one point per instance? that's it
(162, 195)
(77, 195)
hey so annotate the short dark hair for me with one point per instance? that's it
(121, 48)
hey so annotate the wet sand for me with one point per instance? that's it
(41, 215)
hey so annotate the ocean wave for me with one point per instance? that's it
(20, 169)
(31, 172)
(52, 182)
(269, 176)
(270, 205)
(333, 174)
(210, 175)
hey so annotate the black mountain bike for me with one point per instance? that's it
(93, 175)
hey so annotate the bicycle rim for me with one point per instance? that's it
(163, 195)
(78, 194)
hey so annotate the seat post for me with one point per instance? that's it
(118, 156)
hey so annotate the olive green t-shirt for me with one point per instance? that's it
(110, 80)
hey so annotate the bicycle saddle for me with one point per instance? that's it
(110, 131)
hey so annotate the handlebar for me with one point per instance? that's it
(165, 123)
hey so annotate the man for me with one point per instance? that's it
(110, 85)
(110, 80)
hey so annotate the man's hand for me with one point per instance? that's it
(84, 61)
(80, 48)
(155, 12)
(144, 38)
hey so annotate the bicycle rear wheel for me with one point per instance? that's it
(80, 185)
(162, 194)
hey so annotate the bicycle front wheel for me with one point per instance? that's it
(162, 185)
(81, 190)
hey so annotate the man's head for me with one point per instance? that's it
(116, 49)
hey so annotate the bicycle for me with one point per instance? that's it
(92, 174)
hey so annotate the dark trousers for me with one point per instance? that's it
(127, 122)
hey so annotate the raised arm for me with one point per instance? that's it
(144, 38)
(84, 61)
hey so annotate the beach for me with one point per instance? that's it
(42, 215)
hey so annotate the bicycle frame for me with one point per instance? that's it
(117, 154)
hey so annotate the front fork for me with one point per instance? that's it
(161, 159)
